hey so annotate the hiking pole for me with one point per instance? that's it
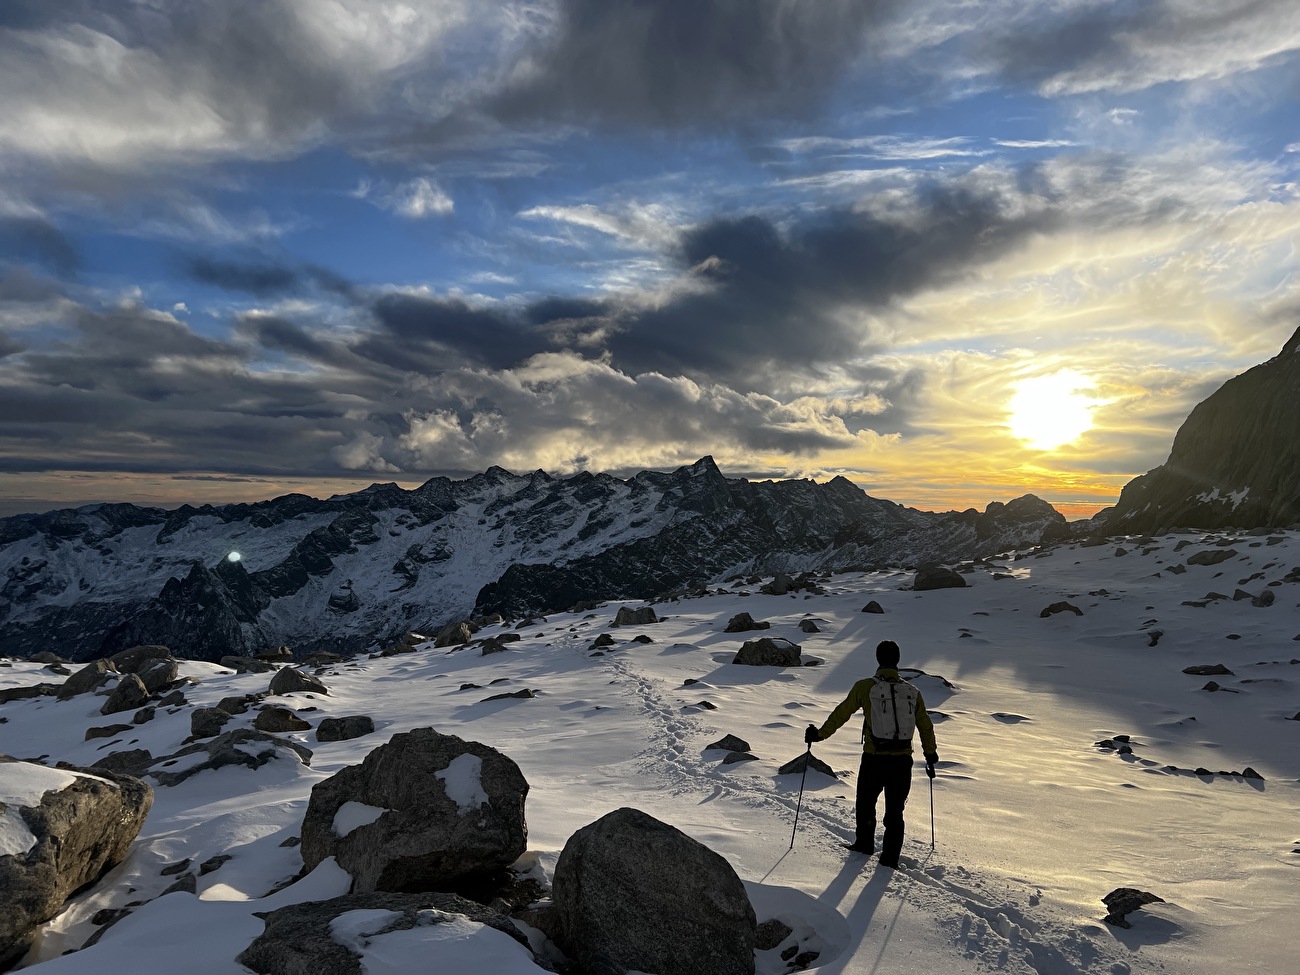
(932, 812)
(807, 755)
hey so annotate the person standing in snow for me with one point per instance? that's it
(893, 709)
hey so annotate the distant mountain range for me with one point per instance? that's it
(360, 570)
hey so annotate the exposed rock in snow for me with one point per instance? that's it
(429, 839)
(1125, 900)
(291, 680)
(769, 652)
(635, 894)
(937, 577)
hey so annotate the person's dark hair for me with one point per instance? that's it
(887, 653)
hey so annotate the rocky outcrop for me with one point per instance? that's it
(72, 825)
(1235, 461)
(302, 939)
(627, 616)
(243, 746)
(769, 652)
(129, 694)
(89, 677)
(635, 894)
(422, 812)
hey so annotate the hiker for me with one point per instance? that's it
(892, 709)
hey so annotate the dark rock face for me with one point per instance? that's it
(626, 616)
(938, 577)
(635, 894)
(81, 830)
(1235, 461)
(446, 809)
(345, 729)
(769, 652)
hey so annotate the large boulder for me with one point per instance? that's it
(304, 939)
(635, 894)
(94, 674)
(419, 813)
(130, 661)
(345, 728)
(276, 719)
(61, 829)
(627, 616)
(454, 634)
(769, 652)
(129, 694)
(290, 680)
(937, 577)
(157, 673)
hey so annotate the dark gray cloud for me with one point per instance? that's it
(780, 297)
(36, 240)
(266, 277)
(426, 334)
(676, 62)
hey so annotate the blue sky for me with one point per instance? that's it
(255, 247)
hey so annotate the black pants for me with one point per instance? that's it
(891, 774)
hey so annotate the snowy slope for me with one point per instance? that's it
(1033, 822)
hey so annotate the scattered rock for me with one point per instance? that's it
(769, 652)
(290, 680)
(145, 714)
(454, 634)
(808, 626)
(248, 665)
(8, 694)
(79, 825)
(731, 758)
(1265, 598)
(729, 743)
(346, 728)
(875, 607)
(604, 640)
(932, 577)
(108, 731)
(214, 863)
(770, 934)
(1125, 900)
(443, 809)
(780, 585)
(1250, 773)
(1153, 637)
(207, 722)
(524, 694)
(132, 761)
(1060, 607)
(743, 623)
(301, 939)
(635, 894)
(642, 639)
(237, 704)
(276, 719)
(157, 673)
(635, 617)
(1208, 670)
(243, 746)
(796, 766)
(130, 660)
(1211, 556)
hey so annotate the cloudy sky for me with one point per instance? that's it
(956, 250)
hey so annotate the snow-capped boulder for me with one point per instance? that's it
(94, 674)
(635, 894)
(129, 694)
(345, 728)
(329, 937)
(290, 680)
(60, 830)
(937, 577)
(769, 652)
(419, 813)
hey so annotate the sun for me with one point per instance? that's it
(1048, 412)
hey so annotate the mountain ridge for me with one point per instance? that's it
(355, 571)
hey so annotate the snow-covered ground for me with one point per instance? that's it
(1033, 822)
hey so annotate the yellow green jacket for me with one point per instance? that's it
(858, 700)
